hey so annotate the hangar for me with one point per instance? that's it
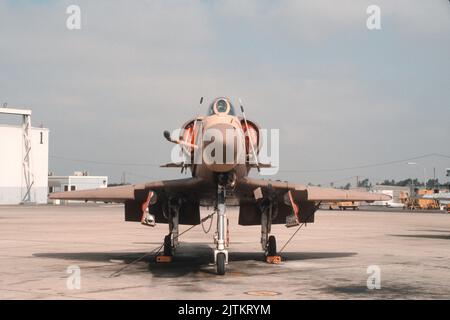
(80, 180)
(23, 159)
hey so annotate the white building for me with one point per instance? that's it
(398, 195)
(23, 160)
(78, 181)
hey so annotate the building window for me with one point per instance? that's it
(42, 138)
(50, 189)
(73, 188)
(66, 188)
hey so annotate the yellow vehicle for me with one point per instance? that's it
(418, 202)
(426, 203)
(344, 205)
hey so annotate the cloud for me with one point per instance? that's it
(310, 68)
(322, 19)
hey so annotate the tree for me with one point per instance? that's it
(364, 183)
(403, 183)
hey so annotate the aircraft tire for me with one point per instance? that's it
(220, 263)
(272, 246)
(167, 245)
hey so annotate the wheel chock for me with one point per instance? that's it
(273, 259)
(163, 259)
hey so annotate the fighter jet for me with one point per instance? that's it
(219, 148)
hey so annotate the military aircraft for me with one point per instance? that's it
(220, 178)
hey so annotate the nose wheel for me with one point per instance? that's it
(220, 263)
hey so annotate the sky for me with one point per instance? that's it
(344, 97)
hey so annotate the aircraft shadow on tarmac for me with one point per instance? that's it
(445, 234)
(431, 230)
(424, 236)
(189, 259)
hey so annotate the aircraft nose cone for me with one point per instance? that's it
(221, 147)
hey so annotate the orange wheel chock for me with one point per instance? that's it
(163, 259)
(273, 259)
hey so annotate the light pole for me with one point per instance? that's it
(411, 191)
(424, 173)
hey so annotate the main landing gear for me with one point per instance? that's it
(171, 239)
(269, 211)
(268, 208)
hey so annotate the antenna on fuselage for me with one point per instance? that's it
(249, 138)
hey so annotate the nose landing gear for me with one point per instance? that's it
(220, 253)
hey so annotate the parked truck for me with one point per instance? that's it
(344, 205)
(418, 202)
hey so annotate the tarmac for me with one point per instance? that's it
(89, 252)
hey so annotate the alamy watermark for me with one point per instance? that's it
(373, 21)
(374, 279)
(73, 21)
(73, 281)
(229, 147)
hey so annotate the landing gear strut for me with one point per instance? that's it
(171, 239)
(269, 211)
(220, 253)
(174, 213)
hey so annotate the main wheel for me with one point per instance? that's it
(272, 246)
(168, 245)
(220, 262)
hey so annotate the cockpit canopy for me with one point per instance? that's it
(221, 106)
